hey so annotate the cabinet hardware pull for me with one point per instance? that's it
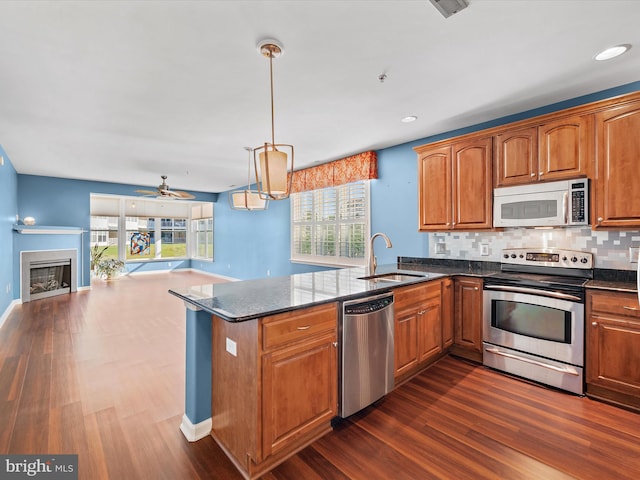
(475, 288)
(306, 327)
(541, 173)
(595, 324)
(533, 291)
(566, 369)
(633, 309)
(422, 312)
(533, 174)
(335, 344)
(599, 219)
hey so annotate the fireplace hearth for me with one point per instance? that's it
(47, 273)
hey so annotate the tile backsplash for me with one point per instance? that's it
(610, 248)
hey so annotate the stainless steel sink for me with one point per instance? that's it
(392, 277)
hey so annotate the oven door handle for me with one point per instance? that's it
(568, 370)
(534, 291)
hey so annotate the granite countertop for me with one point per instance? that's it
(250, 299)
(614, 280)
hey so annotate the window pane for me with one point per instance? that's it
(137, 227)
(104, 237)
(352, 240)
(326, 204)
(302, 239)
(303, 207)
(326, 240)
(173, 235)
(203, 236)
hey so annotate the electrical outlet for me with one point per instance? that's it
(8, 288)
(268, 273)
(484, 249)
(441, 248)
(1, 160)
(633, 254)
(232, 347)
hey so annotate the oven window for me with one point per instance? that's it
(532, 320)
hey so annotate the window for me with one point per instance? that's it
(330, 226)
(136, 229)
(104, 235)
(202, 231)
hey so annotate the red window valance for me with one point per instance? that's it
(363, 166)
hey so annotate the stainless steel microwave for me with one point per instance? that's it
(561, 203)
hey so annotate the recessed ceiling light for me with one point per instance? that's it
(612, 52)
(409, 119)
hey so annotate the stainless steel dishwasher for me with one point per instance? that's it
(366, 356)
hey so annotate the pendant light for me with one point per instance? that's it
(270, 160)
(247, 199)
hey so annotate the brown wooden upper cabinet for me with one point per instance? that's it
(617, 189)
(556, 150)
(455, 185)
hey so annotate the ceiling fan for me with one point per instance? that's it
(163, 191)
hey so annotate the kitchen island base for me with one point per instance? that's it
(274, 385)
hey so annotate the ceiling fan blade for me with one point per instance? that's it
(183, 195)
(147, 192)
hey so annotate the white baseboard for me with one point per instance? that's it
(192, 432)
(217, 275)
(8, 311)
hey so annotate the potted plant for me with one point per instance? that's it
(109, 267)
(96, 254)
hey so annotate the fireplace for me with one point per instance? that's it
(47, 273)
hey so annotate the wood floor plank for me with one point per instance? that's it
(100, 373)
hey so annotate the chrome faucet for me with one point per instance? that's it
(373, 262)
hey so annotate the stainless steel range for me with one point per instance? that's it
(534, 316)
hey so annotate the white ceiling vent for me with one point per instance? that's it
(449, 7)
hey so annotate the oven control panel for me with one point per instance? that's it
(547, 257)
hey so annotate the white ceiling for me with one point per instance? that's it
(124, 91)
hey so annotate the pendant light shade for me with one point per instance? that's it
(247, 199)
(272, 161)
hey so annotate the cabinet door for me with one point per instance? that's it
(516, 159)
(618, 176)
(468, 316)
(300, 391)
(613, 354)
(405, 342)
(565, 148)
(447, 313)
(430, 330)
(472, 186)
(434, 185)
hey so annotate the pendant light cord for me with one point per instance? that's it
(272, 109)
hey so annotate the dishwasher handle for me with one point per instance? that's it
(368, 305)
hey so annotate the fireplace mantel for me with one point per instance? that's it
(47, 230)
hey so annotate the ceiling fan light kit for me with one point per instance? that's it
(273, 161)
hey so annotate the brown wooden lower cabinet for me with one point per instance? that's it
(467, 342)
(279, 391)
(418, 328)
(613, 347)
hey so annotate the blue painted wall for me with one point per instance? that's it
(8, 211)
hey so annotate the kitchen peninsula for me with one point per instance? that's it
(261, 366)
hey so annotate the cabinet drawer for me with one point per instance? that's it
(293, 326)
(417, 294)
(616, 303)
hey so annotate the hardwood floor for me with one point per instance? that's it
(101, 374)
